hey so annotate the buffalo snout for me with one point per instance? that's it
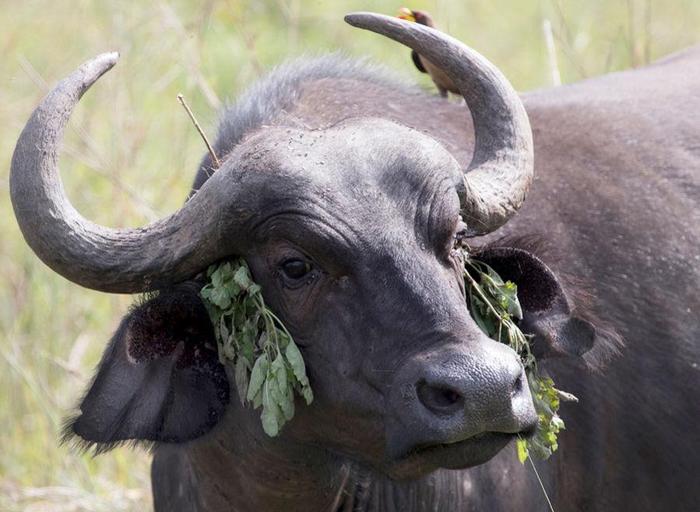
(458, 394)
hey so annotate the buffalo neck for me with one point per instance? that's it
(239, 468)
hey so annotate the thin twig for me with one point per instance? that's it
(341, 489)
(182, 101)
(544, 491)
(476, 286)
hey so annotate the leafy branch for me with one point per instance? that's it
(495, 308)
(268, 366)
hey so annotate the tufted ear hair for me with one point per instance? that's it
(547, 315)
(159, 380)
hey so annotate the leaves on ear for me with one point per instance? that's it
(494, 305)
(268, 366)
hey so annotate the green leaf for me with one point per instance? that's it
(220, 298)
(279, 372)
(246, 340)
(241, 377)
(485, 321)
(257, 376)
(228, 350)
(217, 278)
(271, 413)
(521, 447)
(205, 292)
(223, 329)
(493, 275)
(512, 305)
(307, 394)
(295, 360)
(242, 277)
(263, 341)
(287, 406)
(231, 288)
(557, 423)
(221, 275)
(283, 396)
(282, 339)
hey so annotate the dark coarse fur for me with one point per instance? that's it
(281, 88)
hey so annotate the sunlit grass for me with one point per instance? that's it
(131, 152)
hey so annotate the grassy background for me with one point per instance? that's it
(130, 155)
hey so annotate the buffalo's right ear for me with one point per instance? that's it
(557, 330)
(160, 379)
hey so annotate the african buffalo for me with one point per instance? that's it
(347, 192)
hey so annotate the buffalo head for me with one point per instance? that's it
(351, 232)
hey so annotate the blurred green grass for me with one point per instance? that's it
(130, 155)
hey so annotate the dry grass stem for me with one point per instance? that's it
(551, 52)
(214, 158)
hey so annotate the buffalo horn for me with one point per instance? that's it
(112, 260)
(497, 179)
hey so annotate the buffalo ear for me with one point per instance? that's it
(557, 332)
(159, 380)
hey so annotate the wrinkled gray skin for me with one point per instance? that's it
(616, 190)
(365, 190)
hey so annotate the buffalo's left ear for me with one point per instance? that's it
(160, 379)
(547, 314)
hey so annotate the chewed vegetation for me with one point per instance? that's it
(130, 154)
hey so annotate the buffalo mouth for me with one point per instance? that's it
(463, 454)
(467, 453)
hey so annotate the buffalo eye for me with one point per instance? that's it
(460, 237)
(295, 271)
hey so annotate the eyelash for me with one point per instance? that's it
(291, 282)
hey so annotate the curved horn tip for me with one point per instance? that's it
(362, 19)
(352, 17)
(89, 72)
(109, 57)
(100, 64)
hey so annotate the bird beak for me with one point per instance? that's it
(406, 14)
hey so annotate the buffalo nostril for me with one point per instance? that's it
(439, 399)
(518, 384)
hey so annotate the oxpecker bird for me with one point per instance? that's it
(441, 80)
